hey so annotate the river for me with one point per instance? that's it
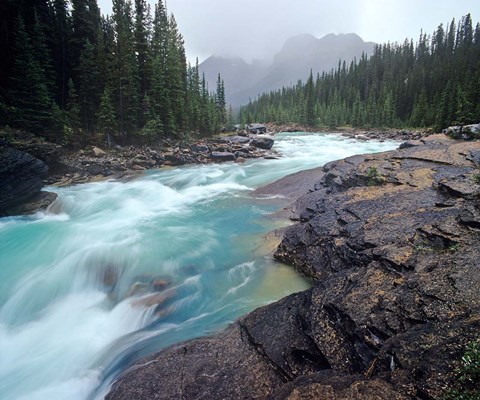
(118, 270)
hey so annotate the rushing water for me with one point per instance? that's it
(119, 270)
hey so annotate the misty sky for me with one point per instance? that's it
(258, 28)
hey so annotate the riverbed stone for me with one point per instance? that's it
(262, 143)
(222, 156)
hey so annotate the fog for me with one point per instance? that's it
(256, 29)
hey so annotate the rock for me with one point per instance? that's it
(410, 143)
(49, 153)
(257, 128)
(200, 148)
(38, 202)
(262, 143)
(160, 284)
(97, 152)
(136, 288)
(222, 156)
(156, 299)
(21, 177)
(236, 139)
(174, 159)
(395, 296)
(96, 169)
(362, 138)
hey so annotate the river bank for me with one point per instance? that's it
(27, 161)
(117, 270)
(391, 241)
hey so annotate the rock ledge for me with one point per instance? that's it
(391, 241)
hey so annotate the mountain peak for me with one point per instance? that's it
(299, 55)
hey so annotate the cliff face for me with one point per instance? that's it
(391, 241)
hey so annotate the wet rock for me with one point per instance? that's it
(262, 143)
(410, 143)
(334, 386)
(137, 288)
(362, 138)
(156, 299)
(237, 139)
(109, 276)
(395, 298)
(49, 153)
(21, 177)
(160, 284)
(222, 156)
(257, 128)
(39, 202)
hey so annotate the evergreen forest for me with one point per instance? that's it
(433, 83)
(73, 76)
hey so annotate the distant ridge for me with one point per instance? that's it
(298, 56)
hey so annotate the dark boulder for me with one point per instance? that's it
(262, 143)
(222, 156)
(236, 139)
(49, 153)
(257, 128)
(21, 177)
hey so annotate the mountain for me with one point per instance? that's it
(298, 56)
(236, 73)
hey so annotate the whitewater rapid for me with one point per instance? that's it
(119, 270)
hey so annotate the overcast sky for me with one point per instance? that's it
(258, 28)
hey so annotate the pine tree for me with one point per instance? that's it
(220, 101)
(106, 116)
(62, 34)
(73, 131)
(309, 101)
(125, 76)
(32, 100)
(142, 49)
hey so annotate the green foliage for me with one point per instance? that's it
(435, 82)
(73, 74)
(476, 178)
(467, 383)
(106, 114)
(374, 178)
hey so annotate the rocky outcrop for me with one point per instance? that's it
(391, 242)
(21, 177)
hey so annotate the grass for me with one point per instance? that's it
(467, 383)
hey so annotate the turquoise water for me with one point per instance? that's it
(118, 270)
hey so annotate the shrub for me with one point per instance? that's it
(467, 384)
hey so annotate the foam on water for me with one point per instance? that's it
(119, 270)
